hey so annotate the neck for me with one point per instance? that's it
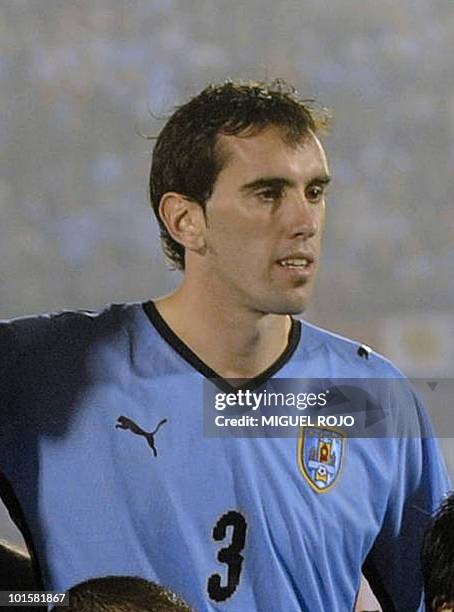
(234, 341)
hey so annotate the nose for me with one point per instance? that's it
(302, 217)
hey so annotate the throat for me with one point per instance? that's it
(250, 359)
(229, 347)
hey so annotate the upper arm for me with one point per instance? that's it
(421, 481)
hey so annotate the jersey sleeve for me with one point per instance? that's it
(421, 481)
(10, 349)
(39, 361)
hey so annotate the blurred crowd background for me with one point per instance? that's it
(83, 81)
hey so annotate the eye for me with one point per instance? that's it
(271, 195)
(315, 193)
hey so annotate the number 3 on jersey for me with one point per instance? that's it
(230, 555)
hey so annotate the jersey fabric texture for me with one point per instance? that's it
(106, 470)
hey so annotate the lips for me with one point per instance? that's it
(302, 260)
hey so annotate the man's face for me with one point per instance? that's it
(265, 221)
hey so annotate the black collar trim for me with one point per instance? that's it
(188, 355)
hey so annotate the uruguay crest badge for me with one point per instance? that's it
(320, 456)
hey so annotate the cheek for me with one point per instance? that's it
(225, 245)
(241, 242)
(322, 217)
(234, 233)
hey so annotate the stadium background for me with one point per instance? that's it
(78, 81)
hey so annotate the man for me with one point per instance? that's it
(438, 559)
(102, 439)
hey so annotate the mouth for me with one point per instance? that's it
(300, 265)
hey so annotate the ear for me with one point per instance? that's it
(184, 219)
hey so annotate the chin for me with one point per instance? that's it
(281, 302)
(288, 307)
(297, 310)
(294, 304)
(294, 310)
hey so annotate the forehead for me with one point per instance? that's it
(268, 153)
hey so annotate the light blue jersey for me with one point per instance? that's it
(107, 471)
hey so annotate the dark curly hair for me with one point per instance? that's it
(185, 157)
(122, 594)
(438, 557)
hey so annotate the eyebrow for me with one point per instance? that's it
(280, 181)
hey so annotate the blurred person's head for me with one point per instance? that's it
(123, 594)
(438, 559)
(237, 185)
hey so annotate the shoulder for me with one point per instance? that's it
(344, 358)
(347, 353)
(31, 334)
